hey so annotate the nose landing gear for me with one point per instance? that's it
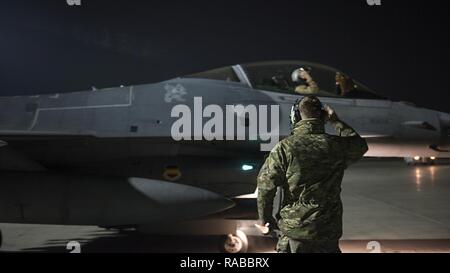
(235, 243)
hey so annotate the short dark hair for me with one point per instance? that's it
(310, 107)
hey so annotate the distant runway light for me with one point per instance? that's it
(247, 167)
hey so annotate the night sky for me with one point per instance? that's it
(399, 49)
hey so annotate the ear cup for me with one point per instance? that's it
(295, 113)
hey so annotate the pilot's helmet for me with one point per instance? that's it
(295, 76)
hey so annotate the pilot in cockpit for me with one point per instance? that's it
(280, 80)
(345, 86)
(306, 84)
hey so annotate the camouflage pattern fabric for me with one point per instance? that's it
(287, 245)
(309, 166)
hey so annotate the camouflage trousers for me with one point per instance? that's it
(287, 245)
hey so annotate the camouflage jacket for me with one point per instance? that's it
(309, 166)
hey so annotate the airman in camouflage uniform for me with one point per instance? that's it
(309, 166)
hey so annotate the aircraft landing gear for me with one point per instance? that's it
(417, 160)
(234, 243)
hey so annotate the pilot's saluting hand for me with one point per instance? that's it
(305, 75)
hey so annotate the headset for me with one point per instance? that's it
(295, 115)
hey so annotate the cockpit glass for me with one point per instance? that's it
(220, 74)
(276, 76)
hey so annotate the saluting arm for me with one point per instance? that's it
(356, 146)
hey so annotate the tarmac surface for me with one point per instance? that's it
(388, 207)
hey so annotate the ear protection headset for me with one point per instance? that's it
(295, 112)
(295, 115)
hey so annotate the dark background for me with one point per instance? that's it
(400, 49)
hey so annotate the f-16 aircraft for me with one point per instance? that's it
(108, 157)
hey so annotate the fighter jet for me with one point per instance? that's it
(109, 157)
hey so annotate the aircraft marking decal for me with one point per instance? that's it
(175, 93)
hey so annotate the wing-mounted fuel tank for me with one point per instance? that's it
(103, 201)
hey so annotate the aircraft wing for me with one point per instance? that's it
(28, 134)
(13, 160)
